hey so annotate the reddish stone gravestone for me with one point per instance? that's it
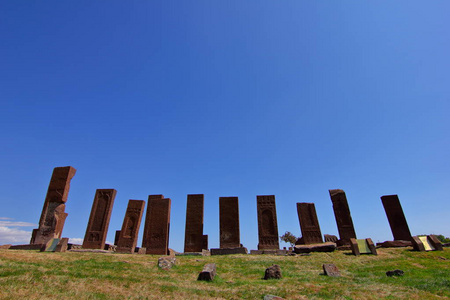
(267, 223)
(396, 218)
(309, 224)
(97, 227)
(53, 215)
(130, 228)
(194, 240)
(229, 222)
(343, 217)
(157, 225)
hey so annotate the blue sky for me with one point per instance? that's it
(226, 98)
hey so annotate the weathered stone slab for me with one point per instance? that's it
(51, 245)
(27, 247)
(435, 242)
(322, 247)
(273, 272)
(426, 243)
(97, 227)
(394, 244)
(62, 245)
(309, 224)
(53, 214)
(417, 244)
(166, 263)
(208, 273)
(343, 217)
(194, 240)
(267, 223)
(272, 297)
(227, 251)
(330, 238)
(130, 228)
(157, 225)
(229, 222)
(331, 270)
(396, 217)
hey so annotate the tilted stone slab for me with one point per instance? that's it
(62, 245)
(309, 224)
(53, 214)
(343, 217)
(331, 270)
(98, 224)
(396, 217)
(157, 225)
(229, 222)
(130, 228)
(267, 223)
(194, 240)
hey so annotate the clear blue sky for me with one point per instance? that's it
(226, 98)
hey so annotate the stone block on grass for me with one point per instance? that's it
(208, 273)
(273, 272)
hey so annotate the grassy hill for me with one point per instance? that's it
(36, 275)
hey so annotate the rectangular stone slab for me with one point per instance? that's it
(435, 242)
(157, 225)
(267, 223)
(229, 222)
(309, 224)
(53, 214)
(396, 217)
(193, 238)
(343, 217)
(98, 224)
(130, 228)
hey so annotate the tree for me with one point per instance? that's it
(288, 237)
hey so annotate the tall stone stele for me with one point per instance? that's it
(343, 217)
(309, 224)
(53, 214)
(267, 223)
(229, 222)
(396, 217)
(157, 225)
(128, 236)
(97, 228)
(194, 239)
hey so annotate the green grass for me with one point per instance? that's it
(36, 275)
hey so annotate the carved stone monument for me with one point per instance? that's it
(53, 215)
(97, 228)
(229, 222)
(309, 224)
(343, 217)
(130, 228)
(194, 240)
(396, 218)
(267, 223)
(157, 225)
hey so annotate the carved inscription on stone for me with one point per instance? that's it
(308, 223)
(396, 218)
(157, 225)
(343, 217)
(229, 222)
(53, 213)
(97, 228)
(130, 228)
(267, 223)
(194, 239)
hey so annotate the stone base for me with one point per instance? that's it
(227, 251)
(27, 247)
(7, 246)
(322, 247)
(90, 250)
(394, 244)
(270, 252)
(125, 250)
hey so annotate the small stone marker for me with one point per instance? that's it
(272, 272)
(396, 272)
(360, 246)
(272, 297)
(62, 245)
(208, 273)
(426, 243)
(50, 246)
(331, 270)
(166, 263)
(435, 242)
(330, 238)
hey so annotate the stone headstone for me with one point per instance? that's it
(62, 245)
(267, 223)
(97, 227)
(229, 222)
(194, 240)
(396, 217)
(166, 263)
(309, 224)
(343, 217)
(130, 228)
(208, 273)
(331, 270)
(426, 243)
(53, 214)
(272, 272)
(157, 225)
